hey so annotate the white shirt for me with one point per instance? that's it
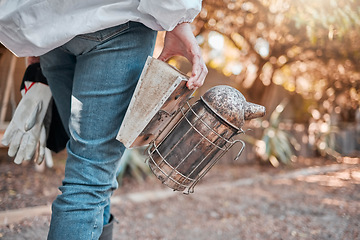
(34, 27)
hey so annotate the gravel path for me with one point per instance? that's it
(309, 203)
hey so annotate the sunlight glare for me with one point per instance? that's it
(216, 40)
(262, 47)
(236, 69)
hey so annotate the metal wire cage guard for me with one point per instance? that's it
(192, 147)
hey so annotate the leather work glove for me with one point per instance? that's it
(26, 130)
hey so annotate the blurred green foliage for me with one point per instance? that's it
(276, 145)
(133, 162)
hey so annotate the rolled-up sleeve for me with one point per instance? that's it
(168, 14)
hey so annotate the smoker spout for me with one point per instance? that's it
(253, 110)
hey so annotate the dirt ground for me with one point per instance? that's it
(312, 199)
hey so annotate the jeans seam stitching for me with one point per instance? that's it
(120, 30)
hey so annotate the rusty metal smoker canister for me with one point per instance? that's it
(201, 137)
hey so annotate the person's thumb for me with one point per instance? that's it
(164, 56)
(8, 135)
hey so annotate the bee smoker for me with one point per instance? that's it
(186, 141)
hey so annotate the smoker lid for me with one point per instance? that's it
(226, 102)
(231, 106)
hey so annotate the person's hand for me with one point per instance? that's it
(181, 41)
(26, 130)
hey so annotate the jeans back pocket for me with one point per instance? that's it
(105, 34)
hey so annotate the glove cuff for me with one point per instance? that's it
(34, 74)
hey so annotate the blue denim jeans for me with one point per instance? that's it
(92, 79)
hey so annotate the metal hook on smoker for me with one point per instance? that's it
(241, 150)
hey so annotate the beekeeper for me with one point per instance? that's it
(91, 53)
